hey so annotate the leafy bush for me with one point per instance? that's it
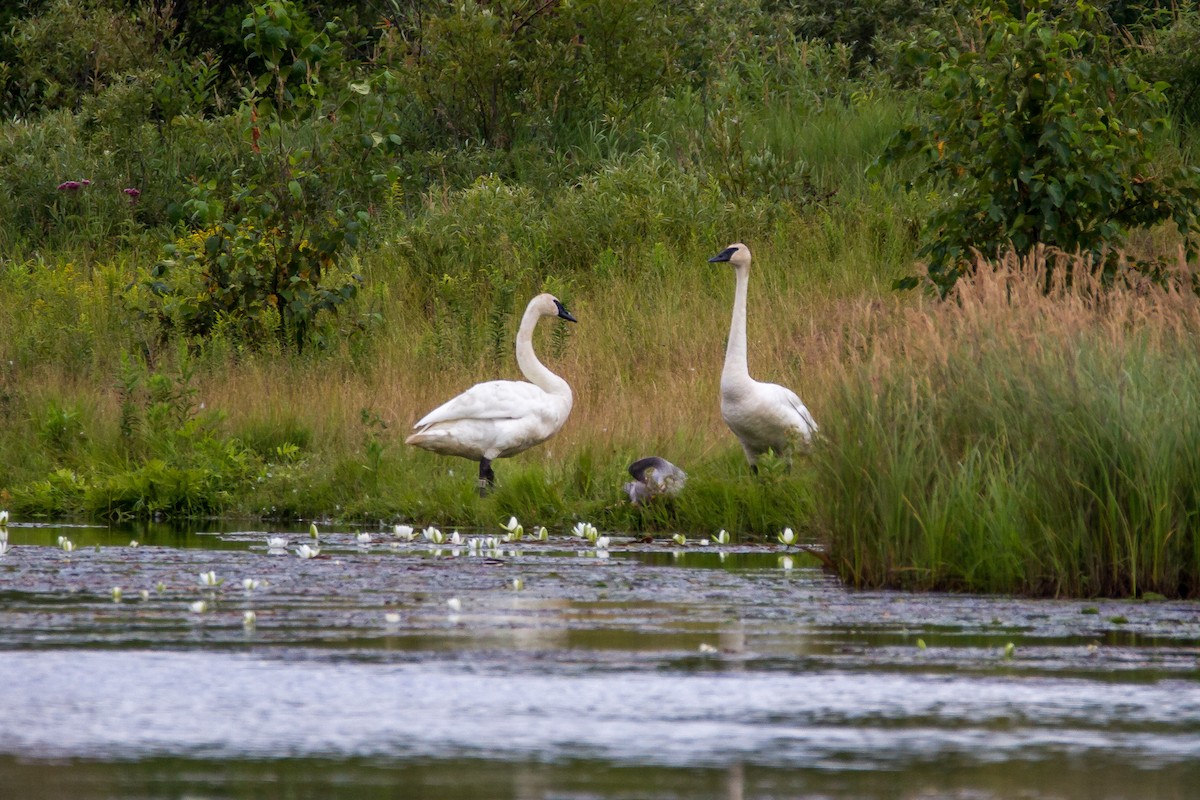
(71, 49)
(1172, 55)
(497, 72)
(1032, 134)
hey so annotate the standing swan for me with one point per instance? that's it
(763, 416)
(497, 419)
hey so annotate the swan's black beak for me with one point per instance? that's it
(563, 313)
(724, 255)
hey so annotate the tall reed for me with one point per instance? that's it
(1031, 435)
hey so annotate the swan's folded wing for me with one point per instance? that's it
(491, 400)
(792, 400)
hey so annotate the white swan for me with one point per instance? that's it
(763, 416)
(653, 477)
(497, 419)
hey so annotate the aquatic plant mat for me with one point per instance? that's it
(1036, 433)
(654, 672)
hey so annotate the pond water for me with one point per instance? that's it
(553, 670)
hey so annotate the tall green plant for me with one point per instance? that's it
(1033, 134)
(271, 264)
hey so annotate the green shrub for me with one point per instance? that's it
(1172, 55)
(1032, 134)
(70, 49)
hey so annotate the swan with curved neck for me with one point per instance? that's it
(763, 416)
(498, 419)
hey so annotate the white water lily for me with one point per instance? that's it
(787, 538)
(705, 647)
(210, 579)
(160, 587)
(312, 530)
(702, 542)
(249, 619)
(61, 539)
(144, 594)
(585, 530)
(116, 594)
(363, 538)
(679, 539)
(515, 530)
(540, 533)
(250, 584)
(474, 545)
(602, 542)
(133, 543)
(198, 607)
(277, 542)
(304, 551)
(3, 518)
(455, 604)
(456, 538)
(404, 532)
(432, 534)
(391, 617)
(721, 537)
(518, 584)
(67, 545)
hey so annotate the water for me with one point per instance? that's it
(646, 674)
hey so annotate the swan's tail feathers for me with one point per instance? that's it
(422, 438)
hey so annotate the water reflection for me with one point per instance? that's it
(647, 674)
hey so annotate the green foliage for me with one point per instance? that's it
(1172, 55)
(489, 71)
(266, 263)
(861, 24)
(1032, 135)
(70, 49)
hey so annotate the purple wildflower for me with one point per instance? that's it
(133, 193)
(69, 186)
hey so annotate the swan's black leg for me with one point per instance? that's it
(487, 478)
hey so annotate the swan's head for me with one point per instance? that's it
(547, 305)
(736, 254)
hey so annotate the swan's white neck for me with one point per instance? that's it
(533, 370)
(736, 367)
